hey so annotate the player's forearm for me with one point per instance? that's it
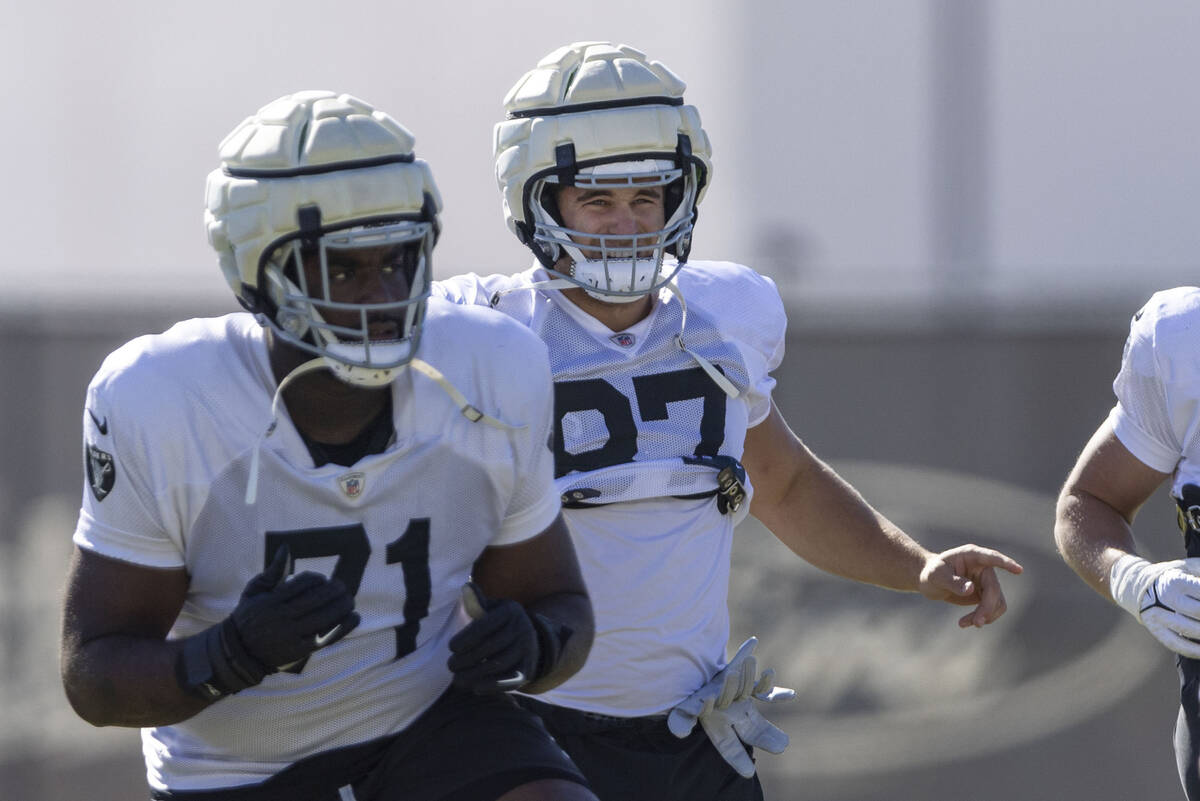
(871, 549)
(823, 519)
(572, 611)
(829, 524)
(1090, 536)
(121, 680)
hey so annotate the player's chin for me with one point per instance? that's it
(382, 331)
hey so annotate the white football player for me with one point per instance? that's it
(665, 434)
(1150, 436)
(283, 508)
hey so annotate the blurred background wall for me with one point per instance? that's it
(961, 201)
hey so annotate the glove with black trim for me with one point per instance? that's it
(725, 708)
(277, 623)
(1163, 596)
(504, 647)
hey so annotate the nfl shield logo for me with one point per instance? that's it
(352, 484)
(624, 339)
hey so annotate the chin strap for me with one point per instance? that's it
(718, 378)
(305, 368)
(549, 283)
(467, 410)
(561, 283)
(464, 407)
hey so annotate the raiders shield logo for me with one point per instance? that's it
(352, 484)
(101, 471)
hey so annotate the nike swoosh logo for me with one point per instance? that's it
(101, 425)
(515, 680)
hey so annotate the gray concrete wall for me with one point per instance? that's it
(958, 433)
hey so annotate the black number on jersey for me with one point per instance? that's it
(411, 550)
(352, 548)
(653, 393)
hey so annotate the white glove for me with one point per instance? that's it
(725, 708)
(1164, 597)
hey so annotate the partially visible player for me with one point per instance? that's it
(665, 433)
(283, 508)
(1152, 435)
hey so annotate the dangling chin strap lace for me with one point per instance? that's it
(424, 368)
(718, 378)
(252, 482)
(464, 407)
(549, 283)
(561, 283)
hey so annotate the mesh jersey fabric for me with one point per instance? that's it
(631, 408)
(178, 416)
(1157, 414)
(627, 415)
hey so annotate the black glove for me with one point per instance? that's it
(276, 624)
(504, 647)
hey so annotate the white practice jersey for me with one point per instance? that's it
(171, 425)
(637, 423)
(1157, 414)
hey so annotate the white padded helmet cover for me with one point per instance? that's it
(583, 74)
(300, 149)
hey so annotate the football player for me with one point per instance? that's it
(1148, 438)
(665, 434)
(309, 563)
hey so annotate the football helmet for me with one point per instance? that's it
(597, 114)
(311, 175)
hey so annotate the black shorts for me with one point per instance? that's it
(463, 748)
(1187, 727)
(638, 759)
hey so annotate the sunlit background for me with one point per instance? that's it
(961, 201)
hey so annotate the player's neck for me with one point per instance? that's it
(617, 316)
(322, 406)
